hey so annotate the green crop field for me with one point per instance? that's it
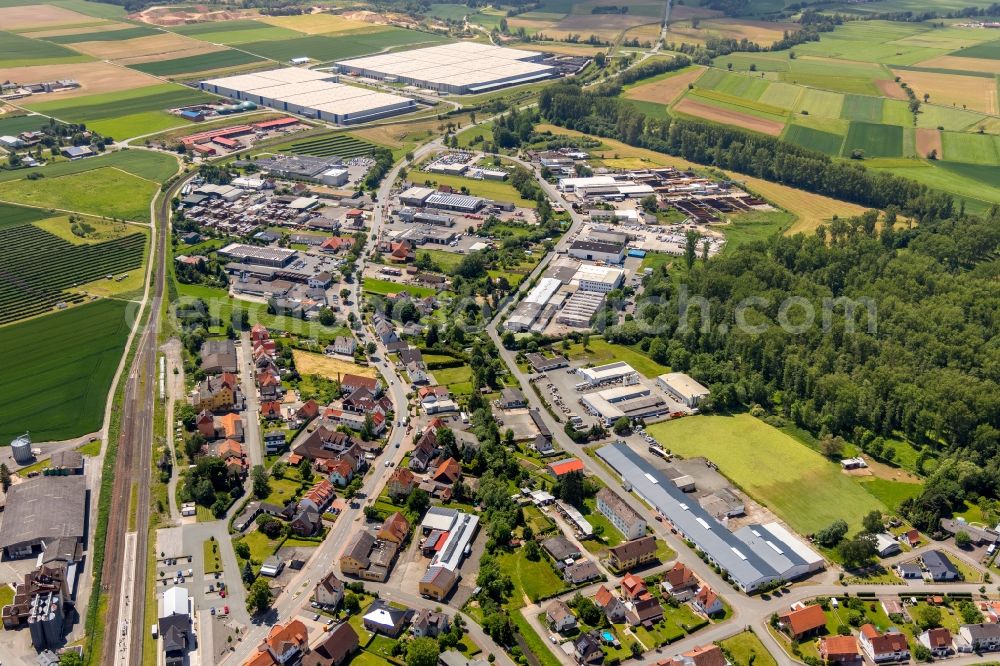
(805, 490)
(896, 112)
(122, 103)
(822, 103)
(142, 163)
(57, 386)
(16, 124)
(13, 216)
(990, 50)
(970, 148)
(875, 140)
(814, 139)
(741, 104)
(974, 184)
(948, 118)
(341, 145)
(197, 63)
(861, 107)
(104, 36)
(343, 45)
(783, 95)
(738, 85)
(450, 12)
(235, 32)
(38, 267)
(16, 51)
(105, 191)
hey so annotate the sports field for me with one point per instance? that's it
(106, 191)
(57, 388)
(803, 488)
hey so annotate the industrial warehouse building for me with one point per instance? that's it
(310, 93)
(633, 402)
(753, 556)
(276, 257)
(460, 68)
(41, 511)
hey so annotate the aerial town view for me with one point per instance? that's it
(530, 333)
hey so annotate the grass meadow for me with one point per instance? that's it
(57, 386)
(802, 487)
(143, 163)
(383, 287)
(105, 191)
(489, 189)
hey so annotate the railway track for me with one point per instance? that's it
(134, 466)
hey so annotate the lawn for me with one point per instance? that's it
(105, 191)
(600, 351)
(536, 580)
(446, 261)
(261, 547)
(745, 649)
(891, 493)
(801, 487)
(756, 226)
(456, 375)
(282, 490)
(975, 184)
(6, 595)
(383, 287)
(213, 560)
(72, 356)
(488, 189)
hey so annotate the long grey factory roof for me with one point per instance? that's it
(740, 559)
(47, 507)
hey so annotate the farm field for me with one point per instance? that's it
(341, 145)
(966, 92)
(105, 191)
(52, 265)
(143, 163)
(28, 15)
(234, 32)
(320, 24)
(814, 139)
(16, 50)
(875, 140)
(15, 124)
(122, 33)
(489, 189)
(73, 358)
(975, 184)
(806, 491)
(308, 363)
(197, 63)
(664, 89)
(94, 78)
(344, 45)
(970, 148)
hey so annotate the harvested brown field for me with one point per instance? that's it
(94, 77)
(308, 363)
(764, 33)
(970, 92)
(681, 12)
(963, 64)
(928, 139)
(666, 90)
(317, 24)
(728, 117)
(890, 89)
(146, 49)
(37, 16)
(606, 22)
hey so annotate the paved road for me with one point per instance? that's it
(251, 435)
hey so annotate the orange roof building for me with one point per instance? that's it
(803, 621)
(394, 529)
(633, 586)
(839, 649)
(561, 467)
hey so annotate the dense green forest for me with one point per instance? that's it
(917, 358)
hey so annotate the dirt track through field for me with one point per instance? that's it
(666, 90)
(928, 139)
(728, 117)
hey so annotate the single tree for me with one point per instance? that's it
(258, 597)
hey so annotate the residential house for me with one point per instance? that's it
(803, 621)
(644, 611)
(543, 446)
(218, 356)
(306, 521)
(417, 373)
(205, 424)
(270, 387)
(560, 617)
(448, 472)
(561, 548)
(620, 513)
(707, 602)
(338, 645)
(630, 554)
(366, 558)
(259, 333)
(274, 442)
(840, 650)
(938, 640)
(704, 655)
(680, 582)
(308, 411)
(610, 604)
(436, 400)
(428, 623)
(284, 644)
(633, 587)
(350, 383)
(880, 648)
(411, 355)
(323, 443)
(984, 637)
(886, 545)
(939, 567)
(217, 393)
(231, 452)
(345, 345)
(909, 571)
(587, 650)
(329, 591)
(512, 398)
(386, 332)
(401, 483)
(425, 450)
(270, 409)
(319, 496)
(230, 426)
(437, 583)
(383, 618)
(581, 572)
(911, 538)
(395, 529)
(339, 471)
